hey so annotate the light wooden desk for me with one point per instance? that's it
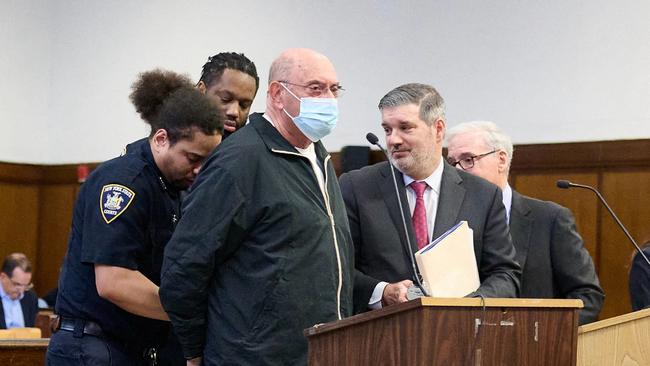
(620, 341)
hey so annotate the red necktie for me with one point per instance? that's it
(419, 218)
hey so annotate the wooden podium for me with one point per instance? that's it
(622, 340)
(467, 331)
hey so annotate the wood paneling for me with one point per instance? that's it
(40, 174)
(582, 203)
(19, 223)
(628, 193)
(582, 155)
(56, 206)
(36, 209)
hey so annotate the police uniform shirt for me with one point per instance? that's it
(124, 216)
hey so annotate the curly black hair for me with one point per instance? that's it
(213, 69)
(169, 101)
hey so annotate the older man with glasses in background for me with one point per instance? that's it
(554, 261)
(19, 302)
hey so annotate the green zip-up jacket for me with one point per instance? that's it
(260, 253)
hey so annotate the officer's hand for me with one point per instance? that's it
(395, 293)
(195, 361)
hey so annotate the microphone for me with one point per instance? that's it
(565, 184)
(373, 140)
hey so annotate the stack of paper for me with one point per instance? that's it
(448, 264)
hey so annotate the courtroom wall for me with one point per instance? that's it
(66, 66)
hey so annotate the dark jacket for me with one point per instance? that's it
(259, 254)
(640, 281)
(554, 261)
(29, 304)
(132, 236)
(378, 234)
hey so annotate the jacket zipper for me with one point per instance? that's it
(325, 193)
(336, 242)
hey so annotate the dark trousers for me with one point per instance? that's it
(67, 350)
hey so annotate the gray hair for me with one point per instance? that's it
(491, 134)
(432, 106)
(281, 69)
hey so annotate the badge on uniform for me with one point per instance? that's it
(114, 200)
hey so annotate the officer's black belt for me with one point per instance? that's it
(80, 326)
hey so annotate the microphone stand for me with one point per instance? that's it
(564, 184)
(372, 138)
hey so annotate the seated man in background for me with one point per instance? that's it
(19, 302)
(554, 261)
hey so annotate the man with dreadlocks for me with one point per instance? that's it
(230, 80)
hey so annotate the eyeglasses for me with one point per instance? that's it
(19, 286)
(318, 89)
(468, 162)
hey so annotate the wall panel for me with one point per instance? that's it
(628, 193)
(36, 212)
(19, 220)
(54, 226)
(582, 203)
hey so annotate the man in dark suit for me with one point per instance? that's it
(413, 119)
(640, 280)
(554, 261)
(19, 302)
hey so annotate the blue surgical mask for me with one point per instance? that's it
(317, 118)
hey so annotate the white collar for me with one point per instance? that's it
(432, 181)
(5, 296)
(507, 200)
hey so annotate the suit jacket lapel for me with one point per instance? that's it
(521, 226)
(26, 310)
(450, 200)
(390, 199)
(3, 324)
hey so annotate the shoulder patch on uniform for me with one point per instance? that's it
(114, 200)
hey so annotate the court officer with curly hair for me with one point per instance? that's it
(126, 211)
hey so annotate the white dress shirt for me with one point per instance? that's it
(507, 201)
(431, 194)
(13, 311)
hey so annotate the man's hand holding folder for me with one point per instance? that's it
(448, 264)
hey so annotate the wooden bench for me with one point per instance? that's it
(23, 352)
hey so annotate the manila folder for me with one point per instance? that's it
(448, 264)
